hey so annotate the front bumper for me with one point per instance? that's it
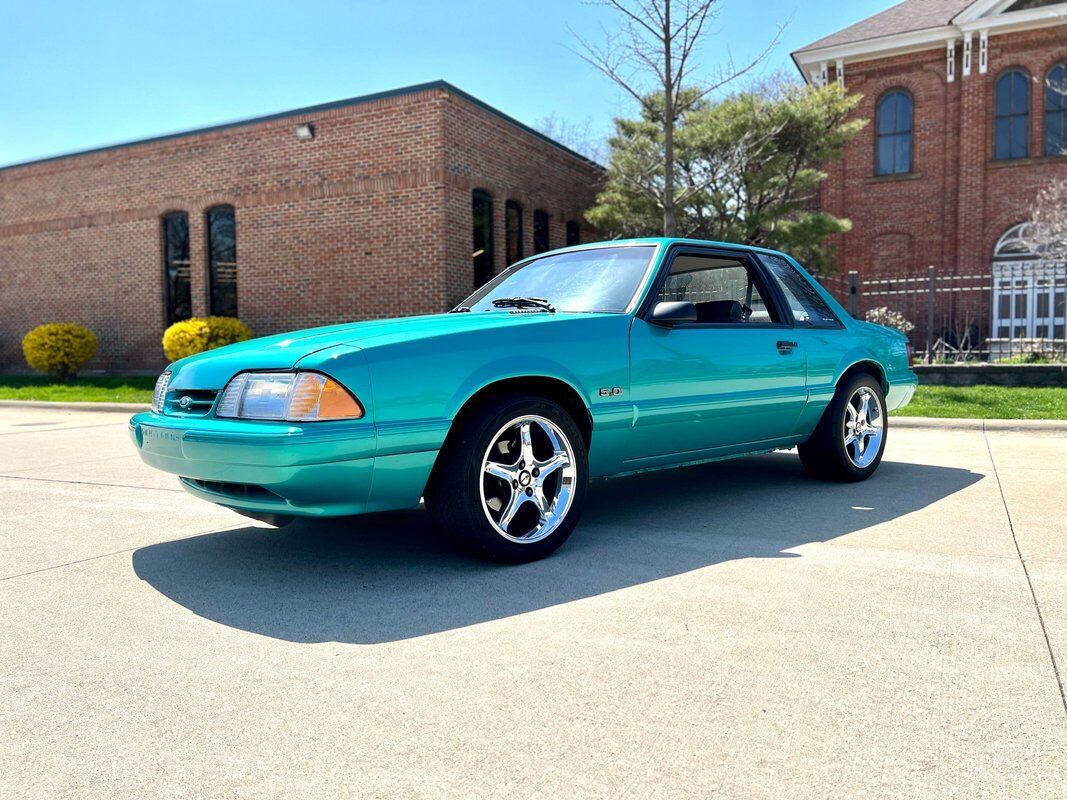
(309, 469)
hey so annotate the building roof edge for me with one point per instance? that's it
(313, 109)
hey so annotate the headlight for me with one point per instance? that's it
(290, 396)
(159, 394)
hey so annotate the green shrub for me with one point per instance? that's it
(199, 334)
(59, 348)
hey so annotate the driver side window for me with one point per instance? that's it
(724, 290)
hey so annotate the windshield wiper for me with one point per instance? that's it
(459, 310)
(524, 302)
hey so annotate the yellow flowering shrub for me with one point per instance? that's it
(196, 335)
(59, 348)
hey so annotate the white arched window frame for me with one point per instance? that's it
(1029, 292)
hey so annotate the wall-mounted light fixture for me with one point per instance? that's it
(304, 132)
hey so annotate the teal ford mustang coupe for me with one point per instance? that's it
(581, 363)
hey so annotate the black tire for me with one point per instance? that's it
(454, 494)
(825, 455)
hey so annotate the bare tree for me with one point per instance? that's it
(1046, 235)
(578, 136)
(653, 59)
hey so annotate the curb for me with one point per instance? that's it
(74, 406)
(955, 423)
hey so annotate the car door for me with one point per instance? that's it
(734, 377)
(816, 329)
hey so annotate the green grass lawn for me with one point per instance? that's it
(987, 402)
(80, 390)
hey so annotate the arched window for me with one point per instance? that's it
(540, 238)
(482, 228)
(1012, 116)
(1014, 244)
(574, 233)
(513, 231)
(177, 297)
(893, 133)
(1056, 111)
(222, 260)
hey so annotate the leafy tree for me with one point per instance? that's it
(747, 169)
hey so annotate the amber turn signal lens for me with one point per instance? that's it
(291, 396)
(317, 397)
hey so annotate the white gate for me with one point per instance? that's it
(1029, 294)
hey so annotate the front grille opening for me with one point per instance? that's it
(197, 402)
(248, 491)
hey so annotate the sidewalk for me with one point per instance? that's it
(733, 630)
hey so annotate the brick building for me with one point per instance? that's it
(967, 103)
(357, 209)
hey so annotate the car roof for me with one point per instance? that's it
(664, 241)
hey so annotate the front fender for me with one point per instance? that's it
(420, 387)
(503, 369)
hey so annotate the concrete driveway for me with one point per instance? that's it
(733, 630)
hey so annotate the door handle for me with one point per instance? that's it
(785, 347)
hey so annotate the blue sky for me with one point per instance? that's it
(75, 75)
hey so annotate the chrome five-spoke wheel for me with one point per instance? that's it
(863, 427)
(848, 442)
(527, 479)
(510, 483)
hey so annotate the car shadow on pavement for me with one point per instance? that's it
(388, 577)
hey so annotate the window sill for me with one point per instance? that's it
(1003, 163)
(900, 176)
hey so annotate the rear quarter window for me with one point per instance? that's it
(808, 307)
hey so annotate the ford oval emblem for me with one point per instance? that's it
(186, 401)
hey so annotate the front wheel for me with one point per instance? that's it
(850, 439)
(511, 482)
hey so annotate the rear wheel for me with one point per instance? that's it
(511, 481)
(850, 439)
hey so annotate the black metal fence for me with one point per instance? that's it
(1014, 309)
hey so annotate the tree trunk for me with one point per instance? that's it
(670, 224)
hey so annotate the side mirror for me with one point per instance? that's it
(669, 313)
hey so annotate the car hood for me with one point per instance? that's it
(213, 369)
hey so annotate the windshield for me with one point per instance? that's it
(598, 279)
